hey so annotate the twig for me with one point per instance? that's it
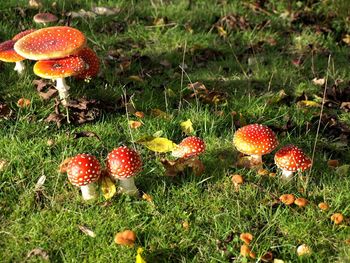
(182, 74)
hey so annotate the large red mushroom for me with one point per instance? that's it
(92, 63)
(83, 170)
(124, 163)
(291, 159)
(189, 147)
(255, 140)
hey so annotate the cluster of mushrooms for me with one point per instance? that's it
(60, 52)
(122, 165)
(257, 140)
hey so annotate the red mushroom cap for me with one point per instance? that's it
(255, 139)
(189, 147)
(59, 68)
(50, 42)
(22, 34)
(7, 52)
(83, 169)
(123, 162)
(291, 158)
(45, 18)
(92, 63)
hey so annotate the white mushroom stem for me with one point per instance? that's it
(256, 159)
(128, 186)
(63, 90)
(19, 67)
(88, 191)
(286, 175)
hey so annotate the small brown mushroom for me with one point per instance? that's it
(287, 199)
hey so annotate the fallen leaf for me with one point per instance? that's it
(139, 258)
(64, 165)
(263, 172)
(147, 197)
(105, 11)
(108, 187)
(308, 103)
(333, 163)
(287, 199)
(38, 252)
(159, 144)
(5, 111)
(304, 250)
(185, 225)
(221, 31)
(23, 103)
(87, 231)
(160, 113)
(337, 218)
(35, 4)
(125, 238)
(3, 164)
(83, 134)
(45, 89)
(186, 127)
(267, 257)
(319, 82)
(135, 124)
(135, 78)
(246, 238)
(346, 39)
(276, 260)
(343, 170)
(82, 14)
(39, 184)
(173, 168)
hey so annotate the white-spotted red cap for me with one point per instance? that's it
(7, 53)
(22, 34)
(92, 63)
(189, 147)
(50, 42)
(255, 139)
(83, 169)
(59, 68)
(291, 158)
(123, 162)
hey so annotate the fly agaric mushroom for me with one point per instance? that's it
(22, 34)
(255, 140)
(44, 18)
(92, 63)
(290, 159)
(59, 69)
(83, 170)
(124, 163)
(189, 147)
(50, 42)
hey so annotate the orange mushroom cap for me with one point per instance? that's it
(50, 43)
(22, 34)
(59, 68)
(92, 63)
(291, 158)
(255, 139)
(7, 52)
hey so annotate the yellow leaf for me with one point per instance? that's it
(160, 113)
(108, 187)
(159, 144)
(308, 103)
(147, 197)
(135, 78)
(221, 31)
(346, 39)
(139, 258)
(186, 127)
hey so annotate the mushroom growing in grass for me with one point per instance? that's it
(58, 69)
(255, 140)
(92, 63)
(291, 159)
(44, 18)
(189, 147)
(83, 170)
(124, 163)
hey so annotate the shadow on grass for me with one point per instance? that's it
(172, 255)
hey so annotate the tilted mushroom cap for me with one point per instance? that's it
(291, 158)
(255, 139)
(92, 63)
(22, 34)
(59, 68)
(45, 18)
(83, 169)
(7, 53)
(189, 147)
(50, 42)
(123, 162)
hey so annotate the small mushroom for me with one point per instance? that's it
(58, 69)
(44, 18)
(237, 180)
(287, 199)
(189, 147)
(255, 140)
(290, 159)
(124, 163)
(83, 170)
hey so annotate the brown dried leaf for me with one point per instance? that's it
(125, 238)
(333, 163)
(64, 165)
(38, 252)
(45, 89)
(173, 168)
(83, 134)
(57, 118)
(5, 111)
(267, 257)
(87, 231)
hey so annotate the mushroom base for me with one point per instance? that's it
(287, 175)
(128, 186)
(63, 90)
(19, 67)
(88, 192)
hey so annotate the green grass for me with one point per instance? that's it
(208, 203)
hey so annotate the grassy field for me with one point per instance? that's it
(259, 61)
